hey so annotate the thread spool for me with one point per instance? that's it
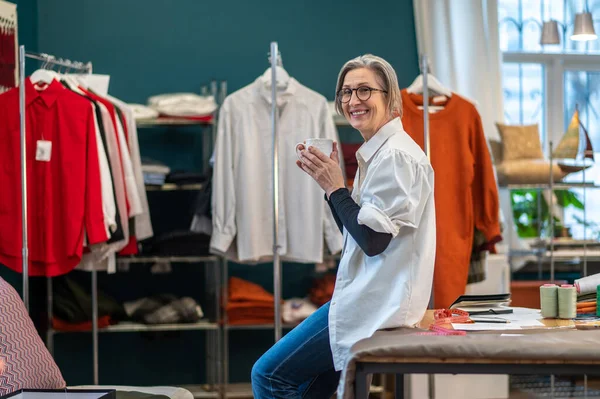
(549, 300)
(597, 300)
(587, 285)
(567, 301)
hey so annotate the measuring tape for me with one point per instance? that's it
(447, 316)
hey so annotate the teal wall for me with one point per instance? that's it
(157, 46)
(27, 12)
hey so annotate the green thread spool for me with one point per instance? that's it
(549, 300)
(567, 301)
(597, 299)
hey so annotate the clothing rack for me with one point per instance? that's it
(425, 71)
(275, 61)
(424, 66)
(49, 61)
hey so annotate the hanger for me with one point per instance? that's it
(44, 76)
(68, 79)
(283, 78)
(433, 85)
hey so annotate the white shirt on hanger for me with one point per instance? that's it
(242, 195)
(133, 195)
(394, 188)
(108, 197)
(102, 256)
(143, 224)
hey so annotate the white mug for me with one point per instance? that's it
(324, 145)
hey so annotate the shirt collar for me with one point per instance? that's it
(48, 95)
(370, 148)
(282, 96)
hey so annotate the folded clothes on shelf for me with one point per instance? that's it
(322, 289)
(182, 104)
(150, 165)
(62, 325)
(72, 303)
(249, 303)
(155, 172)
(177, 243)
(297, 309)
(164, 309)
(141, 112)
(185, 177)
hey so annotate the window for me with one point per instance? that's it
(545, 84)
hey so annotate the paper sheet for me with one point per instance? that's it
(519, 322)
(485, 326)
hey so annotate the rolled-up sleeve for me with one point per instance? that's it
(399, 187)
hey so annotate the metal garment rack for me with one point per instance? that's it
(424, 66)
(49, 61)
(276, 259)
(425, 72)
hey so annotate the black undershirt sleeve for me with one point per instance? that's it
(345, 212)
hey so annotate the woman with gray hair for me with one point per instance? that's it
(385, 273)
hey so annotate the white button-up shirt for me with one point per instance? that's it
(242, 191)
(394, 188)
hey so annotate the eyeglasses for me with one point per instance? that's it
(363, 93)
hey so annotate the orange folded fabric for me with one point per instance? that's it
(62, 325)
(242, 290)
(587, 310)
(249, 303)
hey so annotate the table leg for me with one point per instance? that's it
(399, 386)
(361, 389)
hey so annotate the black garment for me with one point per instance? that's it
(177, 243)
(118, 234)
(203, 201)
(72, 302)
(345, 212)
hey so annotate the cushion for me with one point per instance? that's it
(496, 150)
(529, 171)
(520, 142)
(28, 364)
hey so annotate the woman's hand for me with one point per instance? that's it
(324, 170)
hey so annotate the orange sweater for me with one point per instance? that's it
(466, 194)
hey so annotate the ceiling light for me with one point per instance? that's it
(584, 27)
(550, 33)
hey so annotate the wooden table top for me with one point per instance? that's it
(548, 323)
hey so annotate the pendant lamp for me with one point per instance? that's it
(550, 33)
(584, 27)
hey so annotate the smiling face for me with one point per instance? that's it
(366, 116)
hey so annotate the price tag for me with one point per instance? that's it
(43, 151)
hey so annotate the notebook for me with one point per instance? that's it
(483, 304)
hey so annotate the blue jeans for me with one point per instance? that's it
(300, 365)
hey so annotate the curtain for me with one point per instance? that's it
(461, 41)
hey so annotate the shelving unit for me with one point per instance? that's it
(175, 187)
(138, 327)
(211, 329)
(576, 254)
(555, 186)
(172, 122)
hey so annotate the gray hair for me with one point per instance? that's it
(386, 77)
